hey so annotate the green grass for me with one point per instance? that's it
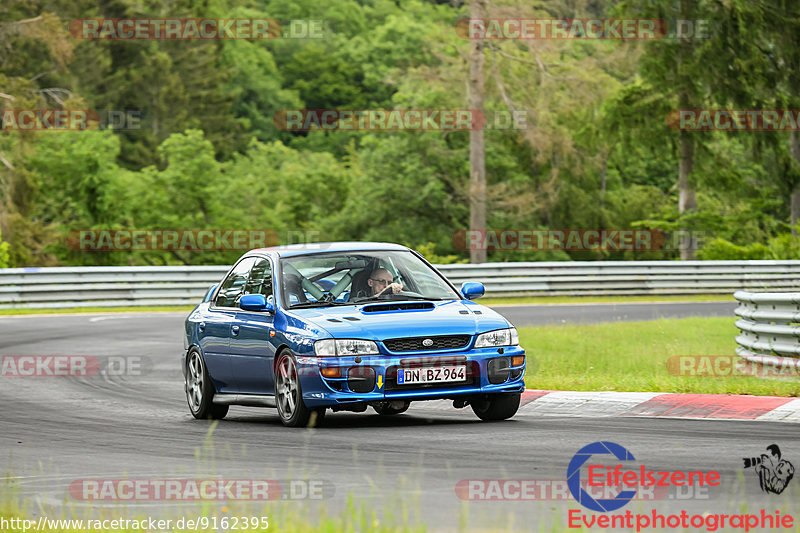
(543, 300)
(632, 356)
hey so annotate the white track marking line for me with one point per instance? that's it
(788, 412)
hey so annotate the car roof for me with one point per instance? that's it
(289, 250)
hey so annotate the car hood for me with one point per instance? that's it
(386, 320)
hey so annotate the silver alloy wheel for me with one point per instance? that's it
(287, 387)
(194, 381)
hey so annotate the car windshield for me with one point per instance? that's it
(346, 278)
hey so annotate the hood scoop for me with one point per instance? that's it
(408, 306)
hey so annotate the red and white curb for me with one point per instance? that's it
(649, 405)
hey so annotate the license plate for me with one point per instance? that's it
(433, 374)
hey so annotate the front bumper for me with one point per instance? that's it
(374, 378)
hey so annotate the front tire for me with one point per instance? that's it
(496, 406)
(289, 395)
(199, 389)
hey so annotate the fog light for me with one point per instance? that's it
(361, 379)
(498, 370)
(518, 360)
(331, 372)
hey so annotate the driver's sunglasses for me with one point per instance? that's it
(381, 281)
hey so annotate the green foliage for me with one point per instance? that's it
(784, 246)
(4, 257)
(719, 249)
(428, 250)
(287, 189)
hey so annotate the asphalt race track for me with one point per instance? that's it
(134, 423)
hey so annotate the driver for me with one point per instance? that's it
(380, 280)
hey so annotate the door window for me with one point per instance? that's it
(260, 279)
(232, 288)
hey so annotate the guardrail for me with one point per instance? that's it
(628, 278)
(770, 328)
(63, 287)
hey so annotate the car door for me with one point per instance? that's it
(216, 327)
(251, 350)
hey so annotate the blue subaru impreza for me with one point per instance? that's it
(344, 326)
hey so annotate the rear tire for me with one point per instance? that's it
(200, 390)
(496, 406)
(289, 395)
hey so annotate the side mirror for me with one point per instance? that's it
(472, 290)
(209, 292)
(257, 303)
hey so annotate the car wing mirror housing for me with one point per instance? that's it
(257, 302)
(472, 290)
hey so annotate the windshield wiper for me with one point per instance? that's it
(397, 298)
(411, 297)
(318, 304)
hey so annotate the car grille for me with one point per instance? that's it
(415, 344)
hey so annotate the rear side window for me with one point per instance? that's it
(233, 286)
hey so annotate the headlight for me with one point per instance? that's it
(334, 347)
(500, 337)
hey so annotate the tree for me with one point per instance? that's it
(782, 50)
(477, 150)
(35, 51)
(678, 69)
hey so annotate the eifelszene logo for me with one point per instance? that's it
(632, 478)
(607, 476)
(574, 476)
(774, 473)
